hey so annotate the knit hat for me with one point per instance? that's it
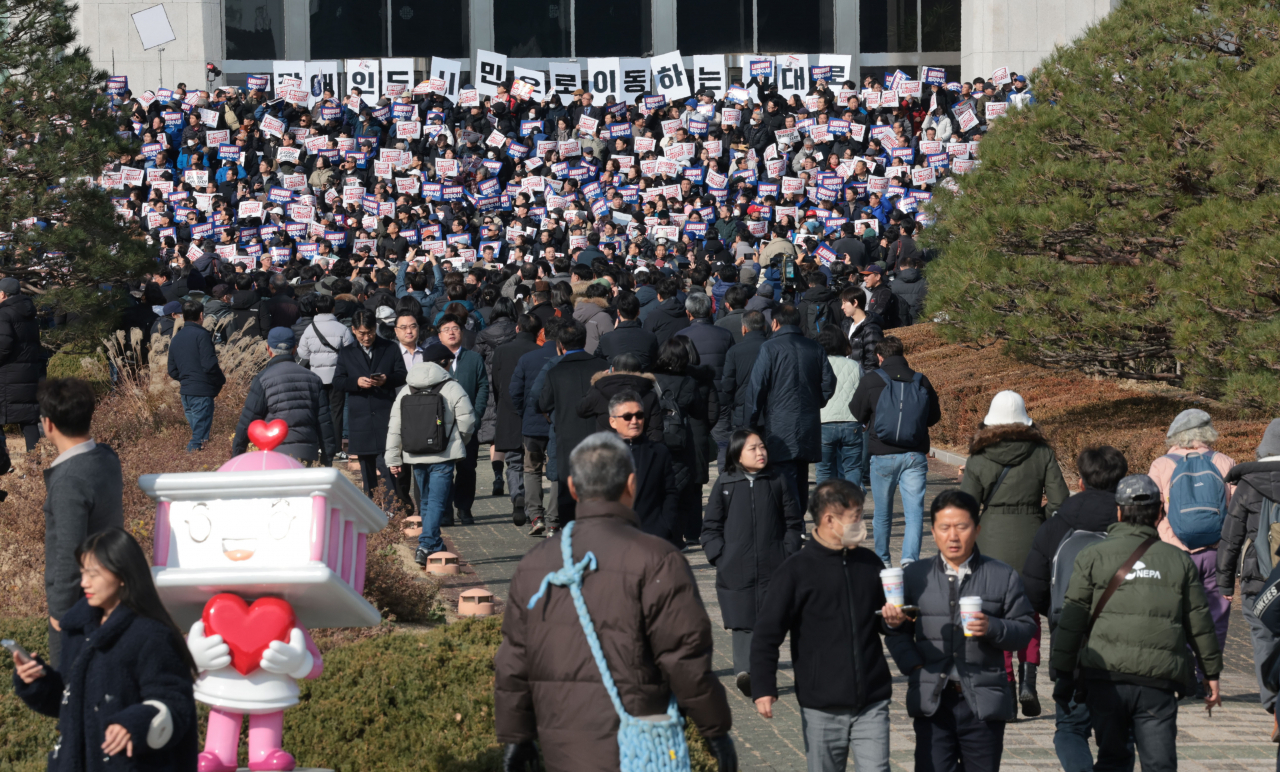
(747, 275)
(1137, 489)
(437, 353)
(1007, 407)
(1192, 418)
(1270, 445)
(10, 286)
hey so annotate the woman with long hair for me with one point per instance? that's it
(753, 523)
(124, 694)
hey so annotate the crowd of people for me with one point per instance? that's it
(627, 303)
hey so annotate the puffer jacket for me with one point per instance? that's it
(322, 359)
(487, 341)
(848, 374)
(22, 361)
(1014, 515)
(123, 671)
(910, 287)
(653, 628)
(590, 312)
(246, 313)
(459, 417)
(935, 641)
(1256, 484)
(1147, 625)
(863, 340)
(750, 527)
(287, 390)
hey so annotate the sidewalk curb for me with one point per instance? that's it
(947, 457)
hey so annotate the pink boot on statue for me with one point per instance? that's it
(273, 760)
(209, 762)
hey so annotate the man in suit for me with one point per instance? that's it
(370, 373)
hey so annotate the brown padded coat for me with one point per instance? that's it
(653, 629)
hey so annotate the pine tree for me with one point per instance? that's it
(64, 235)
(1127, 223)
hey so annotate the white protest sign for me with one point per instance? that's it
(287, 155)
(840, 68)
(449, 71)
(709, 73)
(286, 69)
(197, 178)
(793, 75)
(535, 78)
(923, 176)
(250, 209)
(966, 119)
(587, 125)
(929, 147)
(215, 138)
(209, 117)
(319, 77)
(996, 109)
(488, 71)
(603, 78)
(294, 181)
(1001, 76)
(566, 77)
(669, 76)
(272, 125)
(408, 129)
(363, 74)
(397, 72)
(634, 78)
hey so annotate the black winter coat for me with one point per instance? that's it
(369, 410)
(629, 337)
(825, 599)
(790, 383)
(566, 384)
(750, 527)
(508, 434)
(606, 384)
(666, 319)
(864, 339)
(657, 494)
(287, 390)
(1089, 510)
(705, 418)
(22, 361)
(246, 315)
(193, 362)
(737, 377)
(1255, 482)
(114, 673)
(909, 289)
(713, 344)
(487, 341)
(683, 390)
(863, 405)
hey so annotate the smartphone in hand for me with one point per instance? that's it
(16, 648)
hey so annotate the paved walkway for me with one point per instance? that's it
(1235, 738)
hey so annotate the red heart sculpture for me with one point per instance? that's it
(266, 436)
(247, 630)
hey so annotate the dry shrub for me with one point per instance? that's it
(142, 420)
(1075, 411)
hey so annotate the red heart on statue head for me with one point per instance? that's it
(266, 436)
(247, 630)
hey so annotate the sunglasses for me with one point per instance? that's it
(629, 417)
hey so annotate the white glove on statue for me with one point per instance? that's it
(291, 659)
(209, 653)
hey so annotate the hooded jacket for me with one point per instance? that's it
(608, 383)
(666, 319)
(459, 417)
(653, 629)
(750, 528)
(1257, 483)
(590, 312)
(1014, 513)
(1090, 510)
(22, 361)
(910, 288)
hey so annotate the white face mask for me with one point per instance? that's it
(854, 534)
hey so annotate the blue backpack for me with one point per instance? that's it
(1197, 500)
(902, 412)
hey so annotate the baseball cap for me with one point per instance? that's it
(1021, 78)
(578, 92)
(280, 339)
(1137, 489)
(873, 268)
(172, 307)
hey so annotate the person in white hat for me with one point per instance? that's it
(1011, 470)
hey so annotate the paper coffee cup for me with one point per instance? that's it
(970, 607)
(891, 578)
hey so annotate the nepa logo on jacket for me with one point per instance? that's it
(1140, 571)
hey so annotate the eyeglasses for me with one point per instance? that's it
(629, 417)
(406, 328)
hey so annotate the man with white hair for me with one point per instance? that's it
(643, 604)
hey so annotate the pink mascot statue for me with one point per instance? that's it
(249, 557)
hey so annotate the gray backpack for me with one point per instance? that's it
(1064, 560)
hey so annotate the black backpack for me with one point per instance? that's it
(675, 424)
(422, 429)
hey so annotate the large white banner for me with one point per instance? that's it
(669, 77)
(709, 73)
(488, 72)
(363, 74)
(449, 71)
(635, 79)
(320, 76)
(290, 69)
(397, 72)
(792, 74)
(537, 78)
(841, 69)
(566, 77)
(604, 77)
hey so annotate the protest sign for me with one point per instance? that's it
(364, 75)
(209, 117)
(320, 76)
(449, 71)
(793, 75)
(469, 97)
(635, 78)
(996, 109)
(965, 118)
(535, 84)
(669, 76)
(840, 68)
(397, 75)
(287, 155)
(1001, 76)
(603, 77)
(408, 129)
(709, 73)
(923, 176)
(272, 125)
(283, 71)
(489, 71)
(933, 75)
(566, 77)
(759, 67)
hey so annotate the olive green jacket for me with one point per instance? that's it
(1143, 631)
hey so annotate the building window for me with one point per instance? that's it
(442, 22)
(532, 28)
(345, 29)
(796, 25)
(255, 29)
(342, 29)
(612, 29)
(940, 25)
(714, 27)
